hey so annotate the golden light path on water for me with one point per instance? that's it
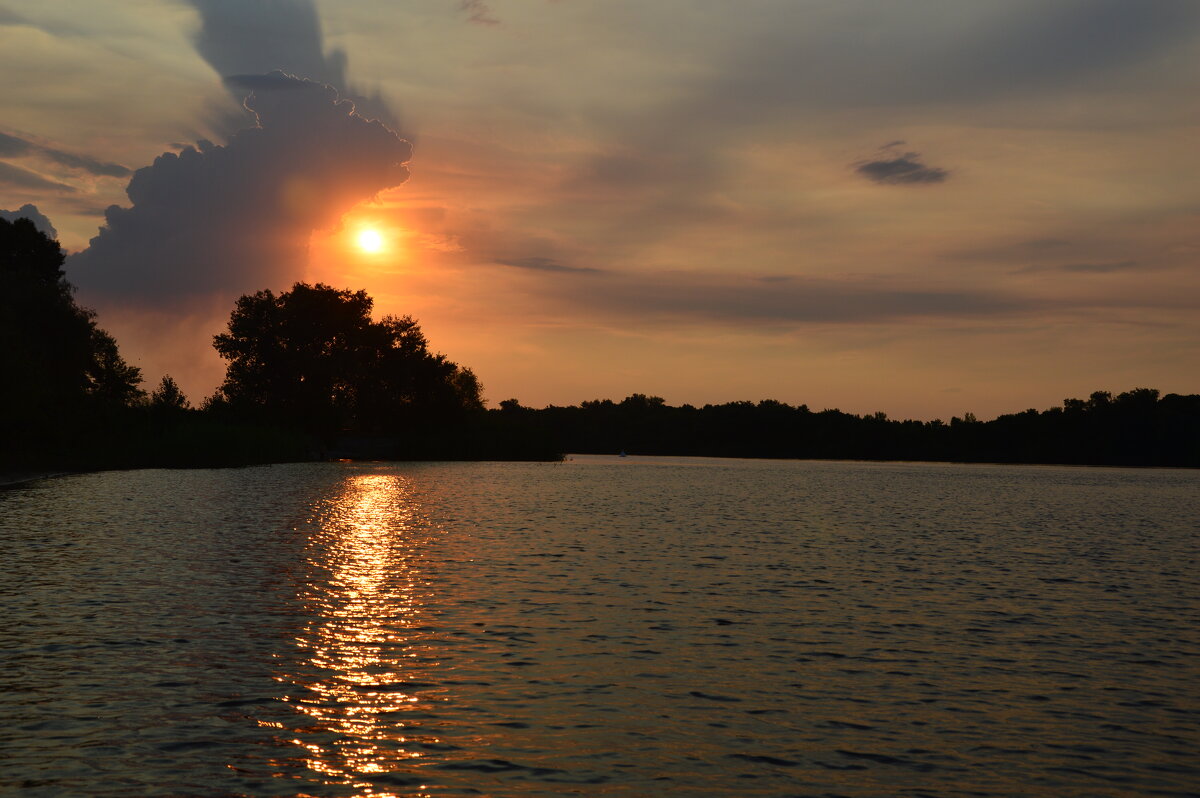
(667, 627)
(363, 593)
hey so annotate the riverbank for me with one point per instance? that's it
(10, 479)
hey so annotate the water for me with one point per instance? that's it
(617, 627)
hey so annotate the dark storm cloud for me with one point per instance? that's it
(18, 177)
(273, 81)
(236, 218)
(903, 169)
(547, 265)
(14, 147)
(256, 37)
(31, 213)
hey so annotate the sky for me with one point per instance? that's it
(925, 208)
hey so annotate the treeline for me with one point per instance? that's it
(1135, 428)
(311, 375)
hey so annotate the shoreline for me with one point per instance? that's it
(16, 478)
(11, 479)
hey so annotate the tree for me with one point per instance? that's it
(110, 379)
(313, 358)
(59, 368)
(167, 396)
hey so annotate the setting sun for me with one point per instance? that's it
(370, 241)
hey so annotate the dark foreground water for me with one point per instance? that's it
(634, 627)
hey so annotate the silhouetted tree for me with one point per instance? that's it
(110, 378)
(59, 368)
(1133, 428)
(168, 397)
(313, 358)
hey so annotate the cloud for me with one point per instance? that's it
(901, 170)
(19, 177)
(479, 12)
(240, 39)
(789, 63)
(696, 298)
(1082, 268)
(272, 81)
(547, 265)
(1033, 249)
(14, 147)
(1066, 40)
(928, 51)
(30, 212)
(237, 218)
(1042, 244)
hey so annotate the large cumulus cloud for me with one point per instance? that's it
(30, 212)
(242, 39)
(236, 218)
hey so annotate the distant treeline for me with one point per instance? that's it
(312, 376)
(1135, 428)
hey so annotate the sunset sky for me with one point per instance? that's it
(924, 207)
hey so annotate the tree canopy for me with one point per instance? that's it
(1139, 427)
(167, 397)
(59, 368)
(314, 359)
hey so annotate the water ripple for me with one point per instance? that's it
(618, 627)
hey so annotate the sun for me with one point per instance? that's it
(370, 241)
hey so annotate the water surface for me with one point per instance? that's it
(636, 626)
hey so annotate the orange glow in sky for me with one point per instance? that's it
(370, 241)
(980, 212)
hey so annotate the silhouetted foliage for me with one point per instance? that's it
(167, 397)
(62, 373)
(1134, 428)
(312, 358)
(311, 362)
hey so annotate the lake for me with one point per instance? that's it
(603, 626)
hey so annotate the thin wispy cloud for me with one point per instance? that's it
(547, 265)
(1082, 268)
(15, 176)
(16, 147)
(693, 298)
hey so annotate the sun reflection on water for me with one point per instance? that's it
(356, 676)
